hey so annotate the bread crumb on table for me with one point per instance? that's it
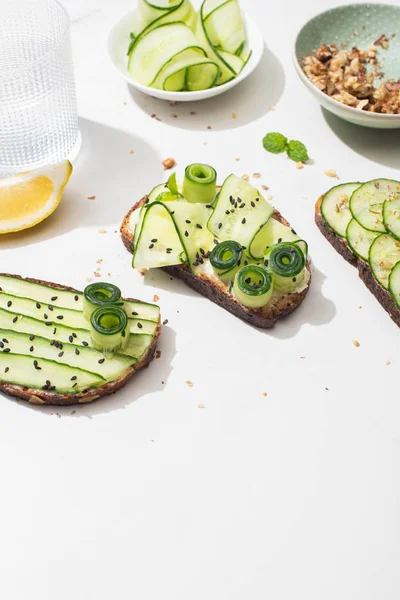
(234, 115)
(91, 197)
(265, 394)
(131, 152)
(158, 354)
(102, 230)
(387, 362)
(331, 173)
(189, 383)
(156, 298)
(256, 175)
(299, 165)
(201, 405)
(264, 187)
(245, 177)
(356, 343)
(168, 163)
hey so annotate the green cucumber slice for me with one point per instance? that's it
(137, 345)
(41, 293)
(383, 255)
(271, 233)
(40, 311)
(189, 71)
(335, 207)
(394, 283)
(391, 214)
(157, 224)
(21, 370)
(148, 15)
(154, 49)
(191, 222)
(88, 358)
(359, 239)
(366, 203)
(141, 326)
(224, 25)
(142, 310)
(240, 210)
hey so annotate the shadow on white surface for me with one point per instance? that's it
(379, 145)
(115, 167)
(315, 310)
(148, 381)
(249, 101)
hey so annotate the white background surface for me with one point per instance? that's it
(293, 495)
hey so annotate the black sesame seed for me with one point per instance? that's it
(35, 363)
(76, 298)
(248, 280)
(227, 212)
(57, 344)
(71, 339)
(172, 212)
(45, 316)
(232, 211)
(293, 231)
(52, 342)
(60, 317)
(48, 323)
(154, 240)
(31, 349)
(196, 263)
(77, 351)
(52, 388)
(257, 199)
(219, 225)
(140, 325)
(54, 298)
(73, 378)
(188, 222)
(6, 369)
(45, 387)
(151, 246)
(246, 262)
(38, 305)
(242, 205)
(48, 382)
(85, 343)
(75, 384)
(199, 226)
(6, 350)
(15, 319)
(5, 340)
(60, 354)
(169, 250)
(1, 345)
(238, 263)
(101, 360)
(294, 279)
(243, 220)
(54, 330)
(74, 335)
(266, 262)
(279, 240)
(202, 251)
(9, 303)
(31, 337)
(253, 204)
(50, 307)
(186, 234)
(216, 242)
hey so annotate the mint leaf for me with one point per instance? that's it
(275, 143)
(297, 151)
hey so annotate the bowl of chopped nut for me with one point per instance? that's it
(349, 58)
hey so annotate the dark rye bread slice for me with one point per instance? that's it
(36, 396)
(364, 271)
(264, 317)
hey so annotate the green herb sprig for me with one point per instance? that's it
(277, 143)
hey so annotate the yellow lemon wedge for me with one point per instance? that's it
(28, 198)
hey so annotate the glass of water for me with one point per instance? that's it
(38, 111)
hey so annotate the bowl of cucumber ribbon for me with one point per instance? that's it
(169, 50)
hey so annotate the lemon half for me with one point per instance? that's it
(28, 198)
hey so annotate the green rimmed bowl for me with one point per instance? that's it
(359, 25)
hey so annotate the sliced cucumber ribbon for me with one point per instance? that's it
(108, 329)
(173, 49)
(226, 258)
(200, 183)
(287, 262)
(99, 294)
(253, 286)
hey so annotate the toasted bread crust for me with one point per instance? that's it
(264, 318)
(384, 297)
(41, 397)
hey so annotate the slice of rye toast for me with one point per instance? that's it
(383, 296)
(278, 307)
(42, 397)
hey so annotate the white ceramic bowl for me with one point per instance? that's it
(361, 24)
(118, 43)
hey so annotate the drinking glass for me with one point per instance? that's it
(38, 111)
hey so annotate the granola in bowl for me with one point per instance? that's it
(348, 76)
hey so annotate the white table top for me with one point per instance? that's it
(148, 495)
